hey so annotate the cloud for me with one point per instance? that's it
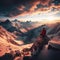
(12, 8)
(45, 2)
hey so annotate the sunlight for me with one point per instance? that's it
(50, 18)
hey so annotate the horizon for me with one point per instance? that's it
(40, 21)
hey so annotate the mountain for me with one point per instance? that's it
(17, 27)
(52, 31)
(55, 30)
(9, 43)
(7, 37)
(6, 24)
(32, 34)
(9, 26)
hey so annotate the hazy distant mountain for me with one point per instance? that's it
(9, 26)
(26, 31)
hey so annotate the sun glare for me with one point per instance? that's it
(50, 18)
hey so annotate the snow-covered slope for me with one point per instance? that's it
(8, 42)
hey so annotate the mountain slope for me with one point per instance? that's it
(55, 29)
(8, 42)
(7, 37)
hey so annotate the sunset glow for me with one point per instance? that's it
(32, 10)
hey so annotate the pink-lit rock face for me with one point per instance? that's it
(2, 50)
(55, 42)
(6, 48)
(8, 43)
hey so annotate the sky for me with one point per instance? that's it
(34, 10)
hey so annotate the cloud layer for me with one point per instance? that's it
(12, 8)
